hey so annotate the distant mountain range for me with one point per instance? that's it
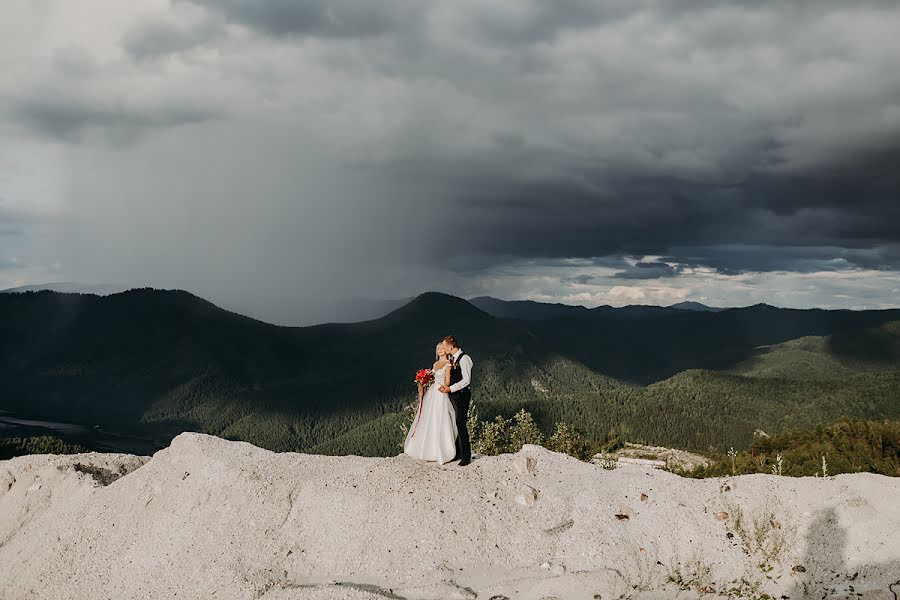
(530, 310)
(70, 288)
(696, 306)
(365, 309)
(153, 363)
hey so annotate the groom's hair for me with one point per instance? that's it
(451, 341)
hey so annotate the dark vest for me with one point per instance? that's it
(456, 372)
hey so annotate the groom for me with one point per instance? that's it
(460, 395)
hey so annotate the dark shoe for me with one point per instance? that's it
(464, 462)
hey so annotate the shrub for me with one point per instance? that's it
(509, 435)
(848, 446)
(568, 441)
(524, 431)
(493, 437)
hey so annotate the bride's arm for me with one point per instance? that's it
(447, 376)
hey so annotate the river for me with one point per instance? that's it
(93, 438)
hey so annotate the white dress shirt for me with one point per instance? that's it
(465, 364)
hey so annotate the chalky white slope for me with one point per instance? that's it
(210, 518)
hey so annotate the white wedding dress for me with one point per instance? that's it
(432, 435)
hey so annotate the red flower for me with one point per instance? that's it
(424, 376)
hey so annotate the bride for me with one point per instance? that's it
(432, 435)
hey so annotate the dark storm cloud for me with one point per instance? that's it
(824, 216)
(156, 38)
(649, 270)
(797, 234)
(731, 260)
(335, 18)
(622, 144)
(511, 24)
(583, 279)
(68, 118)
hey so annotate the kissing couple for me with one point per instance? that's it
(438, 432)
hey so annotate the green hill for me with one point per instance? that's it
(160, 362)
(152, 363)
(823, 358)
(847, 446)
(45, 444)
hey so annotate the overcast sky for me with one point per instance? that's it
(281, 157)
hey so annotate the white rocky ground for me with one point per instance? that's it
(208, 518)
(669, 458)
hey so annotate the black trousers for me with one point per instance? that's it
(460, 401)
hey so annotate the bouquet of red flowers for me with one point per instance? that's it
(425, 377)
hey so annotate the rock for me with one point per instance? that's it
(100, 475)
(624, 513)
(249, 523)
(528, 496)
(565, 526)
(721, 516)
(462, 593)
(644, 497)
(533, 449)
(524, 465)
(878, 594)
(499, 597)
(7, 480)
(656, 456)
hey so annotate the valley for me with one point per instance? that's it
(148, 364)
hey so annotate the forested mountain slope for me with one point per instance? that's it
(160, 362)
